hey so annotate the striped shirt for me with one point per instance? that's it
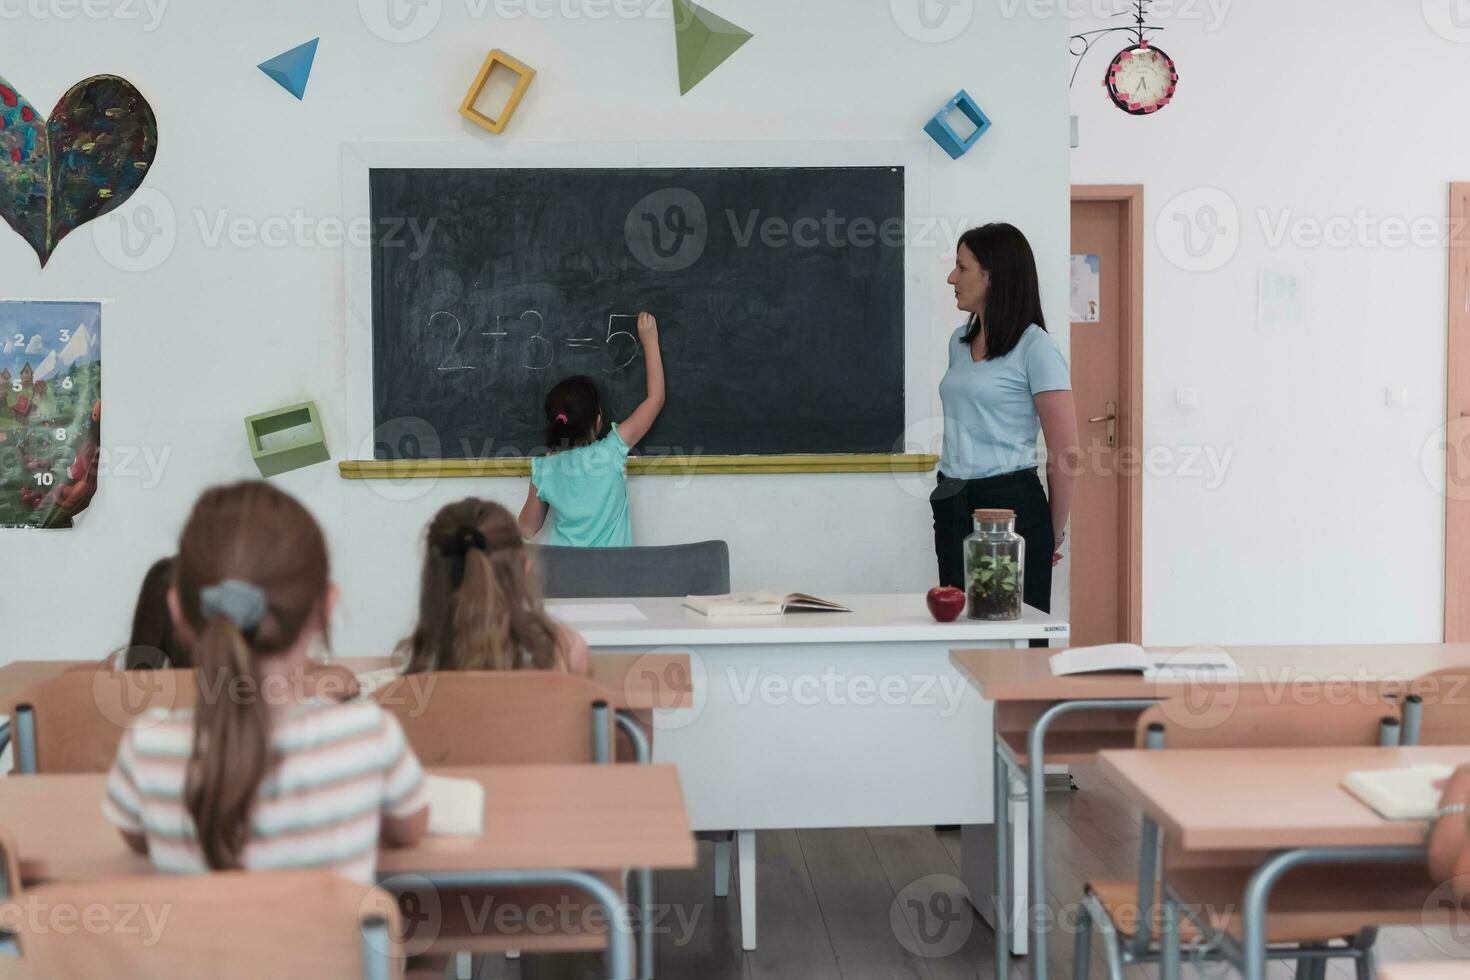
(340, 768)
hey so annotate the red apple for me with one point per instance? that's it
(946, 603)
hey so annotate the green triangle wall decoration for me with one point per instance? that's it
(705, 41)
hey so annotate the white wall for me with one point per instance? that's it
(215, 330)
(1313, 112)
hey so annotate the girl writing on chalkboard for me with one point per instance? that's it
(479, 603)
(583, 481)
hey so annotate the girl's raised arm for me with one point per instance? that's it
(636, 426)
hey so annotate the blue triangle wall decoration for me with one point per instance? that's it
(292, 68)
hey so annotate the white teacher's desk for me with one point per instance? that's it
(822, 719)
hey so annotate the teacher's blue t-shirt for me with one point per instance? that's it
(990, 420)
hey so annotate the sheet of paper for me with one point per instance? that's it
(456, 806)
(596, 612)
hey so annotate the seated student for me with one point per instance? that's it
(583, 481)
(154, 643)
(279, 777)
(1449, 837)
(479, 604)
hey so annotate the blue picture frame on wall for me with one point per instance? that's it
(943, 133)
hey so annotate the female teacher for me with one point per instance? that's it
(1006, 381)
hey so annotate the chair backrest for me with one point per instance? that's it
(9, 865)
(229, 925)
(1225, 716)
(74, 721)
(1243, 719)
(702, 568)
(513, 717)
(1444, 712)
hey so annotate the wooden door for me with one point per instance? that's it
(1106, 360)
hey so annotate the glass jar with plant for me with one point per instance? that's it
(994, 566)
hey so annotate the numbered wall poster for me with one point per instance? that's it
(50, 411)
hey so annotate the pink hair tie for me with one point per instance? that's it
(561, 417)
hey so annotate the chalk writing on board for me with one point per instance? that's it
(454, 346)
(632, 343)
(621, 346)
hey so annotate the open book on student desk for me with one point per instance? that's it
(759, 604)
(1184, 665)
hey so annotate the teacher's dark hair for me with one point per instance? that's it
(1013, 302)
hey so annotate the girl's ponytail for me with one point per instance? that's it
(481, 617)
(231, 754)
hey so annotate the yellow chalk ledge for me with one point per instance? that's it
(433, 469)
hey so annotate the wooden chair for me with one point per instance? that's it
(74, 721)
(1312, 917)
(230, 926)
(524, 717)
(518, 717)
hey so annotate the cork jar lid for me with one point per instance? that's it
(994, 516)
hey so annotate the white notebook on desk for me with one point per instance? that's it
(456, 806)
(1130, 657)
(1399, 794)
(759, 604)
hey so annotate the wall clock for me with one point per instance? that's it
(1141, 79)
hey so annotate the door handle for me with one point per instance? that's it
(1111, 418)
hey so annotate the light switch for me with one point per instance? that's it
(1397, 396)
(1186, 397)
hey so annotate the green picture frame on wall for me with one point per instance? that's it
(274, 457)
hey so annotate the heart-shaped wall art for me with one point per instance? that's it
(59, 173)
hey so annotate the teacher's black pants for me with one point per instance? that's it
(954, 503)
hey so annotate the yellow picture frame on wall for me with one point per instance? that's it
(498, 123)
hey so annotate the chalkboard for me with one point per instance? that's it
(779, 294)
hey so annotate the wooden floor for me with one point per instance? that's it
(830, 905)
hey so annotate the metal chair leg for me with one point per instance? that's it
(1312, 968)
(1366, 944)
(1082, 955)
(1112, 943)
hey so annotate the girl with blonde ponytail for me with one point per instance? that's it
(479, 603)
(264, 771)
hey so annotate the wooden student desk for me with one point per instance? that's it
(1071, 719)
(543, 825)
(1287, 802)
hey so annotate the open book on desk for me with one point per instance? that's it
(1185, 665)
(759, 604)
